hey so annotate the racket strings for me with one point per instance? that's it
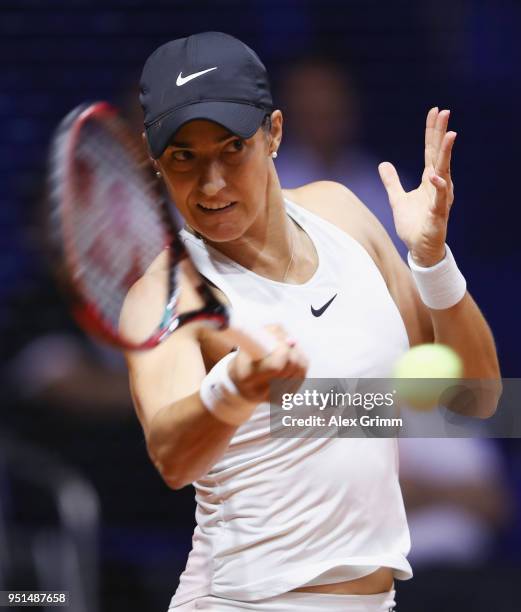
(115, 224)
(108, 225)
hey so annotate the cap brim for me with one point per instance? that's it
(241, 119)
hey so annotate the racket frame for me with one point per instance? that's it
(64, 256)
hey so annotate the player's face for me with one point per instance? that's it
(217, 180)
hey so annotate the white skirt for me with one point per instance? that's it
(295, 602)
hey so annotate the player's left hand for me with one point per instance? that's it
(421, 215)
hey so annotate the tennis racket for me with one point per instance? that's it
(108, 222)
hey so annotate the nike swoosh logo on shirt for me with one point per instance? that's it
(181, 80)
(320, 311)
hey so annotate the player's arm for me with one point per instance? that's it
(421, 219)
(184, 439)
(462, 326)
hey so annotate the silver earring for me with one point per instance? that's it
(274, 154)
(158, 174)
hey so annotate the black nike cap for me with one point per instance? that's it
(211, 76)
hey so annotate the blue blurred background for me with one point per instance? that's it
(80, 505)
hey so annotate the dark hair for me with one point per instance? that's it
(266, 123)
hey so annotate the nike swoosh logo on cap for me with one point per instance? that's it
(181, 80)
(320, 311)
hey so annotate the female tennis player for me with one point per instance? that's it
(286, 524)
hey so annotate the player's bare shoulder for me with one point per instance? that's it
(146, 298)
(175, 367)
(144, 305)
(338, 205)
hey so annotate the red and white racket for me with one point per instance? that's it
(108, 222)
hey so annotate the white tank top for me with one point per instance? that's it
(274, 514)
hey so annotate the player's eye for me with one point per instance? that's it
(234, 146)
(182, 155)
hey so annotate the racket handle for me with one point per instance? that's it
(257, 342)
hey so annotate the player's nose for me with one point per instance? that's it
(212, 180)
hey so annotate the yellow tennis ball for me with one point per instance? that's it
(421, 374)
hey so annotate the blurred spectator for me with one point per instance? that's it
(321, 107)
(457, 503)
(70, 396)
(72, 374)
(455, 497)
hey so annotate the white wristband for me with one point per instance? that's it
(222, 398)
(440, 286)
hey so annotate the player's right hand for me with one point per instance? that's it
(286, 361)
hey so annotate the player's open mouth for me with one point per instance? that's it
(217, 208)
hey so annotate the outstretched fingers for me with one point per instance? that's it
(444, 158)
(429, 136)
(435, 130)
